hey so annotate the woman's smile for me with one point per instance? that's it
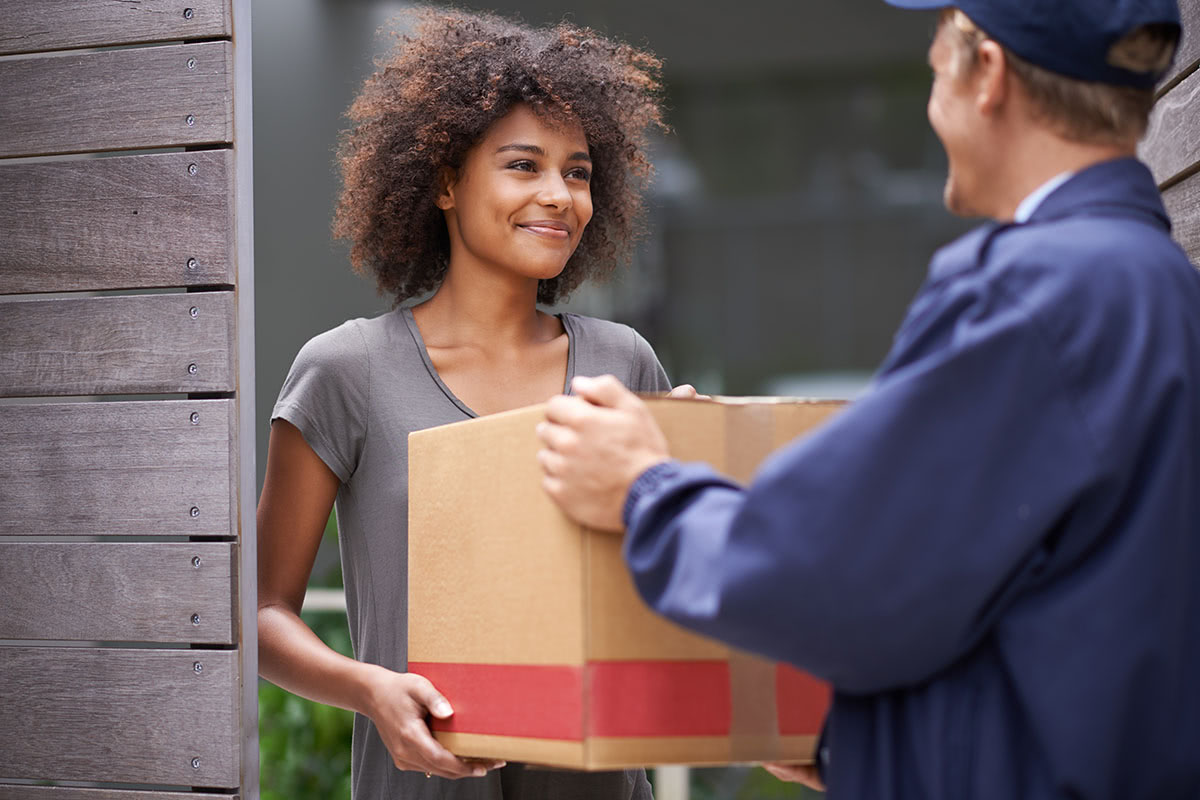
(547, 228)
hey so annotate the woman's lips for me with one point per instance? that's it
(550, 229)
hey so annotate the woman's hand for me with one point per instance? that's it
(686, 391)
(399, 703)
(804, 774)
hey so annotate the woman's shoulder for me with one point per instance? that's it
(602, 331)
(349, 342)
(603, 346)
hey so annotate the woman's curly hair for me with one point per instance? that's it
(438, 93)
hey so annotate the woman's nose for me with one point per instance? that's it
(554, 192)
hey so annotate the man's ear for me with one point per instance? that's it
(991, 76)
(445, 188)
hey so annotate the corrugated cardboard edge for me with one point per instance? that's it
(624, 753)
(550, 752)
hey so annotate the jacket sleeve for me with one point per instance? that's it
(876, 551)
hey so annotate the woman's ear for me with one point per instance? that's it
(445, 189)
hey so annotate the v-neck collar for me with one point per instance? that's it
(406, 313)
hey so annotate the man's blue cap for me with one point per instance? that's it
(1070, 37)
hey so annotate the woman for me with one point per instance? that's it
(495, 166)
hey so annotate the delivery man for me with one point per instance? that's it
(994, 555)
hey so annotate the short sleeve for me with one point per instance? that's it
(646, 373)
(326, 396)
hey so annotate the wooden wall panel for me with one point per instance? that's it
(120, 715)
(1183, 204)
(117, 468)
(160, 592)
(1189, 48)
(152, 221)
(15, 792)
(27, 27)
(1172, 143)
(117, 345)
(116, 99)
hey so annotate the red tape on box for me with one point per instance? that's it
(537, 702)
(659, 698)
(626, 698)
(801, 701)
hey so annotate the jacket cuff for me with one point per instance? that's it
(647, 483)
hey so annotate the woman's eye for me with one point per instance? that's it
(524, 165)
(580, 174)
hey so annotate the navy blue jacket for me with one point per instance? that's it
(994, 555)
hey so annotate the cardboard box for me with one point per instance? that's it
(531, 626)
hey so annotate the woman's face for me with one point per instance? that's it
(522, 198)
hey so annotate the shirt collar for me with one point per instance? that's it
(1035, 198)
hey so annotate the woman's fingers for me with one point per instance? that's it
(428, 697)
(683, 390)
(804, 774)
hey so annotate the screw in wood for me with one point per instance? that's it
(192, 263)
(188, 13)
(191, 120)
(191, 63)
(193, 169)
(195, 512)
(193, 369)
(195, 763)
(195, 312)
(195, 619)
(198, 667)
(195, 417)
(196, 562)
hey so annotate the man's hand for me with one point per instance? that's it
(597, 442)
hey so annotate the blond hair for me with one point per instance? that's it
(1082, 111)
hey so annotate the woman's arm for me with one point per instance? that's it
(297, 495)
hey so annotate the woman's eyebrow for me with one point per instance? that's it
(537, 151)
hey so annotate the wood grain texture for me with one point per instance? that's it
(117, 468)
(131, 592)
(116, 99)
(16, 792)
(1172, 143)
(60, 24)
(117, 345)
(1183, 204)
(117, 223)
(119, 715)
(245, 481)
(1189, 47)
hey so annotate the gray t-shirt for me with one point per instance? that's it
(355, 393)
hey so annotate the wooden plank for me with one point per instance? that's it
(16, 792)
(1189, 47)
(116, 99)
(1172, 143)
(246, 485)
(1183, 204)
(117, 223)
(117, 345)
(119, 715)
(62, 24)
(162, 592)
(117, 468)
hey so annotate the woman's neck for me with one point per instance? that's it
(488, 311)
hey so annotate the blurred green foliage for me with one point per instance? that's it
(744, 783)
(305, 746)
